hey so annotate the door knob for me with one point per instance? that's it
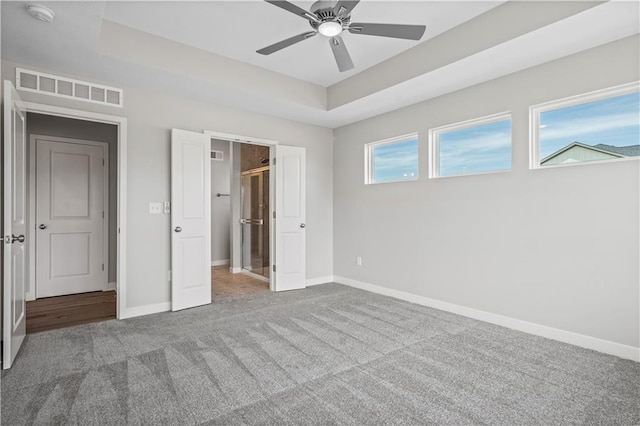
(302, 225)
(19, 238)
(178, 229)
(42, 226)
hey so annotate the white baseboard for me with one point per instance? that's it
(319, 280)
(254, 275)
(220, 262)
(235, 270)
(139, 311)
(600, 345)
(111, 286)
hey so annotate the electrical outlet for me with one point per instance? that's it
(155, 208)
(359, 260)
(167, 207)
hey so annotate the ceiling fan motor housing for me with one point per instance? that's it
(323, 9)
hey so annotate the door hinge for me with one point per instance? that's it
(103, 266)
(103, 162)
(274, 214)
(103, 215)
(274, 161)
(274, 268)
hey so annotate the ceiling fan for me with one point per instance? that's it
(331, 20)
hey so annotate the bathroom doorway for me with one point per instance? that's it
(240, 182)
(275, 235)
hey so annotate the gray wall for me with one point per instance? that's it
(557, 247)
(38, 124)
(151, 115)
(221, 206)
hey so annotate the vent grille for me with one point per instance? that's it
(217, 155)
(33, 81)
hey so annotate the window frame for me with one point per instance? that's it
(368, 158)
(556, 104)
(434, 142)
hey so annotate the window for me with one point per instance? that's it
(392, 160)
(598, 126)
(476, 146)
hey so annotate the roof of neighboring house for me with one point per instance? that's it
(618, 151)
(627, 151)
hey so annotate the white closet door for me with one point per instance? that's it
(190, 219)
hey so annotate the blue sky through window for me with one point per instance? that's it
(395, 161)
(477, 149)
(614, 121)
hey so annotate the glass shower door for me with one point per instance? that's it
(255, 222)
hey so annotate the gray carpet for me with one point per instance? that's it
(325, 355)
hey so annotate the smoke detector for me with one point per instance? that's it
(40, 12)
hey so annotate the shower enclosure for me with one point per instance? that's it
(255, 221)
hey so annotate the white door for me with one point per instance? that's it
(14, 262)
(190, 219)
(70, 217)
(290, 168)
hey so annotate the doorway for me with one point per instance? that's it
(240, 178)
(287, 209)
(71, 203)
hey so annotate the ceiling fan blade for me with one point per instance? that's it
(408, 32)
(285, 43)
(290, 7)
(344, 7)
(341, 54)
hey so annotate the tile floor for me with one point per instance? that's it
(224, 284)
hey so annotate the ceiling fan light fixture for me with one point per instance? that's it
(330, 28)
(40, 12)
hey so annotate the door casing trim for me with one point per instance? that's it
(235, 227)
(121, 205)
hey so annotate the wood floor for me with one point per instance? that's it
(65, 311)
(224, 284)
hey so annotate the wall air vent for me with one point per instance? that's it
(217, 155)
(47, 84)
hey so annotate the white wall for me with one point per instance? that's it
(556, 247)
(220, 206)
(150, 117)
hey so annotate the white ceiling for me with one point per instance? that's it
(508, 38)
(236, 29)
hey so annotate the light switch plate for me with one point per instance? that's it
(167, 207)
(155, 208)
